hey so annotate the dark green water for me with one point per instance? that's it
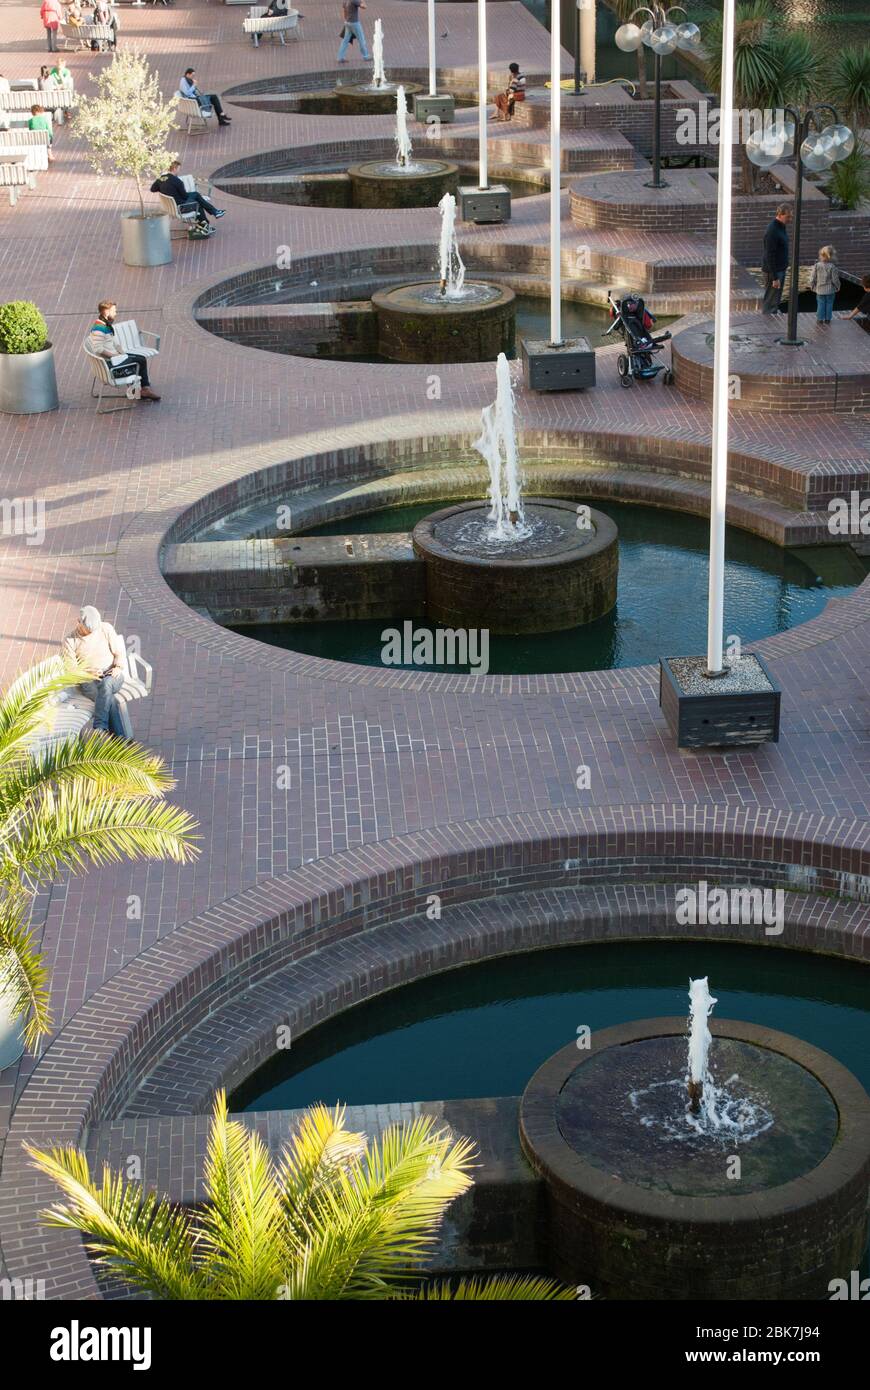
(578, 320)
(484, 1029)
(661, 607)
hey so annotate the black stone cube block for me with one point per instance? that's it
(570, 366)
(491, 204)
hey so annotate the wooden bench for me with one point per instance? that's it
(72, 711)
(258, 26)
(57, 100)
(14, 177)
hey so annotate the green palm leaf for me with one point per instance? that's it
(80, 802)
(505, 1288)
(353, 1223)
(134, 1235)
(382, 1213)
(76, 825)
(242, 1228)
(311, 1160)
(23, 976)
(27, 706)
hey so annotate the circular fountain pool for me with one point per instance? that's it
(775, 1209)
(482, 1030)
(661, 597)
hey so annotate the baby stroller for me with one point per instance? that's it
(634, 321)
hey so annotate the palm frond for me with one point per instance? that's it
(135, 1235)
(381, 1215)
(117, 768)
(27, 705)
(77, 824)
(242, 1228)
(503, 1288)
(848, 84)
(319, 1149)
(23, 976)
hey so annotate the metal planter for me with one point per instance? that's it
(146, 240)
(28, 384)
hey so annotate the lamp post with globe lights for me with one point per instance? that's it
(663, 37)
(813, 145)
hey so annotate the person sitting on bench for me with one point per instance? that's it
(95, 647)
(102, 342)
(188, 88)
(170, 184)
(515, 91)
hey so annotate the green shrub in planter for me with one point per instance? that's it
(22, 328)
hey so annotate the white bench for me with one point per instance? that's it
(82, 35)
(30, 147)
(13, 176)
(190, 109)
(57, 100)
(258, 26)
(72, 711)
(129, 337)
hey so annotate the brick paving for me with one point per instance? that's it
(399, 780)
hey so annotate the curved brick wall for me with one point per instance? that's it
(129, 1025)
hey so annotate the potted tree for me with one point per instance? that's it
(127, 125)
(28, 384)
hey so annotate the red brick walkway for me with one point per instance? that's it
(421, 762)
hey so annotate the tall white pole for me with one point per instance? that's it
(719, 471)
(481, 94)
(431, 9)
(555, 171)
(586, 20)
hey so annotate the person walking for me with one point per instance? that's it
(353, 30)
(95, 647)
(775, 259)
(188, 88)
(102, 342)
(171, 185)
(825, 280)
(51, 15)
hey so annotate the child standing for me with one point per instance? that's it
(825, 280)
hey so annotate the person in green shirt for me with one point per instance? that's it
(40, 119)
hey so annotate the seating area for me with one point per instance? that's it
(73, 711)
(197, 119)
(84, 36)
(123, 383)
(275, 26)
(16, 104)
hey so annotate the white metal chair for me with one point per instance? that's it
(197, 119)
(130, 336)
(104, 379)
(106, 373)
(169, 205)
